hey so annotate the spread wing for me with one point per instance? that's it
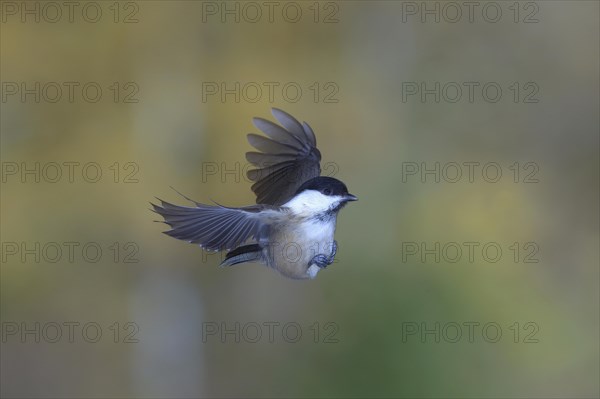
(288, 157)
(216, 227)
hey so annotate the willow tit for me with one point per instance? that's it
(291, 229)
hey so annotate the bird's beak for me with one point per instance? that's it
(350, 197)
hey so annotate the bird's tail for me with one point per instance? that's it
(246, 253)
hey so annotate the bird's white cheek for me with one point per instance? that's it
(311, 202)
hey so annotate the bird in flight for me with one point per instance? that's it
(291, 228)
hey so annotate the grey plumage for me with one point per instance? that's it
(246, 253)
(215, 228)
(287, 160)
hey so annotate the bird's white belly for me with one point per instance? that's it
(319, 237)
(294, 247)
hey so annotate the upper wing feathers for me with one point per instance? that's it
(277, 133)
(310, 134)
(266, 159)
(290, 123)
(287, 159)
(265, 144)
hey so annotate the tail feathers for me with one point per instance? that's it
(246, 253)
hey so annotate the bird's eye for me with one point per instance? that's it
(327, 191)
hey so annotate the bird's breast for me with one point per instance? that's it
(317, 231)
(294, 244)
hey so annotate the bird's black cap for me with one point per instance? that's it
(326, 186)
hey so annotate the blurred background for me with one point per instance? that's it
(163, 94)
